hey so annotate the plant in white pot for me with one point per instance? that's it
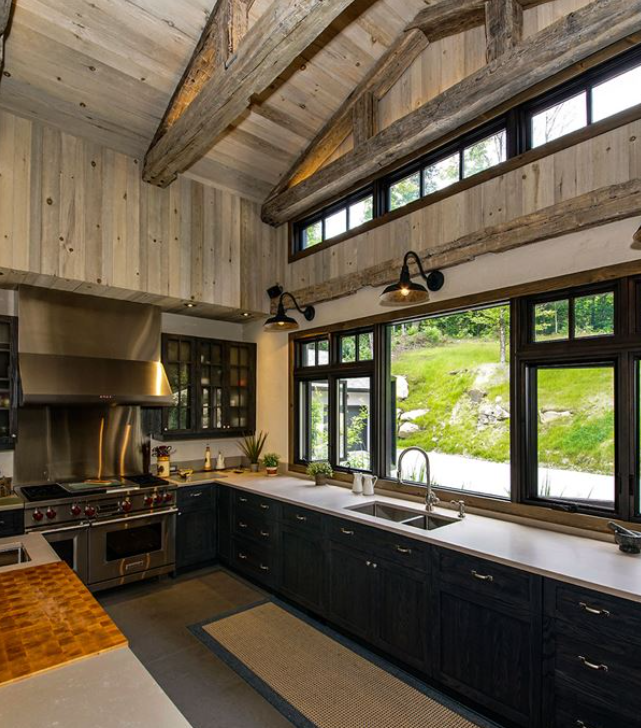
(252, 446)
(270, 461)
(320, 471)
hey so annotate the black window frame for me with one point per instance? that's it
(517, 123)
(621, 350)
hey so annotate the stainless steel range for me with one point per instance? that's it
(110, 532)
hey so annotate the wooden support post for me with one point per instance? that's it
(503, 25)
(364, 118)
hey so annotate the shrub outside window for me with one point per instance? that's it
(560, 119)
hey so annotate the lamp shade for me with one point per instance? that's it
(405, 292)
(281, 322)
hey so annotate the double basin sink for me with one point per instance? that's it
(406, 516)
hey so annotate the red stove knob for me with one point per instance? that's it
(51, 514)
(38, 515)
(169, 497)
(125, 506)
(76, 510)
(90, 511)
(158, 498)
(149, 499)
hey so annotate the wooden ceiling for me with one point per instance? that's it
(106, 70)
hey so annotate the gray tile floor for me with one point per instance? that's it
(154, 616)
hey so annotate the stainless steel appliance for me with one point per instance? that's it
(110, 533)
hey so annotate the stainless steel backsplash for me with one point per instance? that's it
(68, 443)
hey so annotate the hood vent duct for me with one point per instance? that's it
(77, 349)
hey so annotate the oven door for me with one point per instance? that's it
(130, 546)
(71, 545)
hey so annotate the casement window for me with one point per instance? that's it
(536, 400)
(596, 95)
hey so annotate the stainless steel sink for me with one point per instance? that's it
(13, 553)
(406, 516)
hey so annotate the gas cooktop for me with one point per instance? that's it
(57, 491)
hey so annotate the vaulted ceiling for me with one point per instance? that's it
(106, 70)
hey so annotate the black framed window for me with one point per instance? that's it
(354, 422)
(314, 353)
(581, 315)
(313, 419)
(597, 94)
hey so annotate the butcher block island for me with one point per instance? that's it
(50, 619)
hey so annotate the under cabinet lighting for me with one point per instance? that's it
(405, 292)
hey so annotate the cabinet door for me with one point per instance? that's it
(303, 568)
(224, 523)
(402, 604)
(178, 356)
(351, 590)
(8, 381)
(195, 537)
(485, 652)
(240, 410)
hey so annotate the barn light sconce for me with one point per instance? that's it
(405, 293)
(282, 322)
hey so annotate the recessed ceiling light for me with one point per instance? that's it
(190, 304)
(246, 314)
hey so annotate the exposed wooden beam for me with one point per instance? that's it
(364, 119)
(559, 48)
(593, 209)
(447, 17)
(275, 40)
(504, 26)
(5, 13)
(385, 73)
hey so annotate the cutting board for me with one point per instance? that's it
(48, 618)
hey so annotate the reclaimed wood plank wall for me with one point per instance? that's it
(79, 212)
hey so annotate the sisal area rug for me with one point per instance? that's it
(319, 679)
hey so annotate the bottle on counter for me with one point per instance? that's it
(220, 461)
(208, 465)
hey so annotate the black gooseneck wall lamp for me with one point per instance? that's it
(281, 321)
(405, 293)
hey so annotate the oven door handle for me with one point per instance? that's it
(126, 519)
(76, 527)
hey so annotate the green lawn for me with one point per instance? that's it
(440, 378)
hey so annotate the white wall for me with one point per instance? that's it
(573, 253)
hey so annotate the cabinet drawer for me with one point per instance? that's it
(253, 560)
(11, 522)
(196, 497)
(403, 551)
(575, 709)
(350, 533)
(491, 580)
(244, 502)
(608, 671)
(302, 518)
(587, 612)
(247, 524)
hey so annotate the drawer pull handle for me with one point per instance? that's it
(346, 531)
(301, 518)
(581, 724)
(265, 534)
(242, 499)
(264, 506)
(593, 665)
(196, 495)
(242, 525)
(402, 550)
(482, 577)
(592, 610)
(264, 568)
(242, 556)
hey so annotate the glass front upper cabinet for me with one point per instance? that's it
(7, 381)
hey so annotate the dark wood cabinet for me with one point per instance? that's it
(214, 387)
(8, 381)
(11, 522)
(303, 567)
(487, 634)
(196, 526)
(351, 590)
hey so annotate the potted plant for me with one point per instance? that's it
(252, 446)
(320, 472)
(271, 461)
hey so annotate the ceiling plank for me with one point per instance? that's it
(504, 27)
(558, 48)
(5, 12)
(284, 31)
(384, 74)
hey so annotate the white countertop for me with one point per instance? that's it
(104, 691)
(37, 548)
(582, 561)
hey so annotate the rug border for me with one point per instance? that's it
(286, 708)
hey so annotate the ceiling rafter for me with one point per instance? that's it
(523, 65)
(275, 40)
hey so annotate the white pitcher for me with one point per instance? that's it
(357, 483)
(369, 481)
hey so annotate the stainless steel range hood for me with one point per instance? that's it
(76, 349)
